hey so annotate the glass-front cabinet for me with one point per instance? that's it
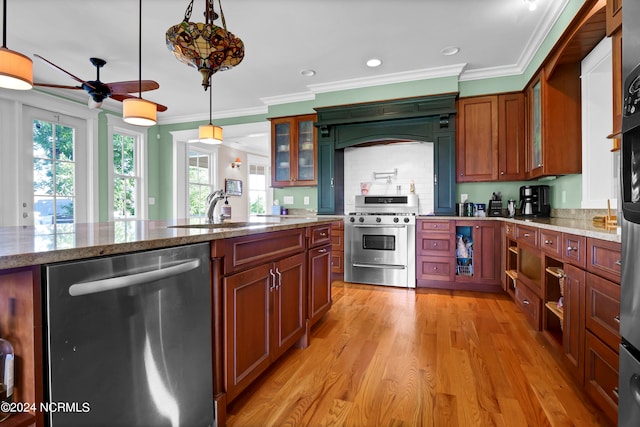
(294, 151)
(536, 126)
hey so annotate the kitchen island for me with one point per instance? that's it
(241, 251)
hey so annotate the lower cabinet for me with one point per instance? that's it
(320, 267)
(601, 375)
(573, 336)
(265, 314)
(463, 254)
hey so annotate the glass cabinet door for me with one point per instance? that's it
(282, 162)
(536, 127)
(306, 160)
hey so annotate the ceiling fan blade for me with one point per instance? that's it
(57, 86)
(131, 86)
(121, 97)
(63, 70)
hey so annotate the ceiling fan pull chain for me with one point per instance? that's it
(187, 13)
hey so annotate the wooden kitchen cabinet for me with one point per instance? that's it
(574, 250)
(613, 10)
(573, 336)
(435, 253)
(601, 375)
(490, 138)
(554, 135)
(319, 260)
(265, 314)
(294, 151)
(337, 247)
(486, 253)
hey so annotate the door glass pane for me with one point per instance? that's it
(199, 182)
(283, 148)
(124, 197)
(305, 150)
(125, 176)
(53, 173)
(536, 158)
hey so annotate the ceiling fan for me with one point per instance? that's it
(99, 91)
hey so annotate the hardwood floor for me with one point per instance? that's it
(398, 357)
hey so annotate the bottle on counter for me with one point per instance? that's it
(226, 209)
(412, 187)
(6, 375)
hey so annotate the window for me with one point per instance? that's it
(199, 181)
(126, 178)
(127, 171)
(257, 189)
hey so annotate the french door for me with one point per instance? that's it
(53, 181)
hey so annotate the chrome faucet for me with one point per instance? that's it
(212, 201)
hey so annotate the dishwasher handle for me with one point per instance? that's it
(93, 287)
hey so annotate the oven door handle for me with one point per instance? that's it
(380, 226)
(383, 266)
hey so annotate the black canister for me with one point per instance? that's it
(468, 209)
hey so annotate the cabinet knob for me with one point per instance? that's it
(617, 319)
(435, 245)
(461, 174)
(548, 242)
(618, 262)
(502, 173)
(571, 248)
(525, 301)
(477, 227)
(323, 234)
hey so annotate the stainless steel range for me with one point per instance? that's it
(380, 241)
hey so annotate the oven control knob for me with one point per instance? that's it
(406, 220)
(396, 219)
(361, 219)
(378, 219)
(352, 219)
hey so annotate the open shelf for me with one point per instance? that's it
(553, 307)
(557, 272)
(513, 274)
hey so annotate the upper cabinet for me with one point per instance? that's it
(554, 122)
(614, 30)
(490, 138)
(294, 151)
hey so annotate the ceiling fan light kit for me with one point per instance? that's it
(16, 70)
(205, 46)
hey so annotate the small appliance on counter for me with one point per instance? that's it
(534, 201)
(495, 205)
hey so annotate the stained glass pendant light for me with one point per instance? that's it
(210, 134)
(138, 111)
(205, 46)
(16, 70)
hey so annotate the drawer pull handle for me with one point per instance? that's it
(273, 280)
(618, 262)
(617, 319)
(525, 301)
(323, 234)
(322, 251)
(526, 234)
(548, 242)
(572, 248)
(615, 392)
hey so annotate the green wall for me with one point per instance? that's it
(161, 151)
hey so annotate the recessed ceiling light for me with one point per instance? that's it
(451, 50)
(308, 73)
(374, 62)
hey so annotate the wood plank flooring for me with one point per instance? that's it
(398, 357)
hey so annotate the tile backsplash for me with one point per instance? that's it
(413, 160)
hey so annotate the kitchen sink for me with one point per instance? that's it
(224, 225)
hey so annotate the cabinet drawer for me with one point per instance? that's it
(435, 225)
(603, 258)
(574, 250)
(551, 241)
(337, 261)
(601, 375)
(529, 303)
(248, 251)
(527, 235)
(510, 230)
(337, 239)
(432, 268)
(439, 244)
(603, 309)
(319, 235)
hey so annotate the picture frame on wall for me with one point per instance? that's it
(233, 187)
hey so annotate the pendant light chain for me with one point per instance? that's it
(4, 24)
(139, 50)
(210, 103)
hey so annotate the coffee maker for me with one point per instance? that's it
(534, 201)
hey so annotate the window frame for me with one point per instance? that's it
(115, 125)
(255, 160)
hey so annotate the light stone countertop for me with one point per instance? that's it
(43, 244)
(579, 227)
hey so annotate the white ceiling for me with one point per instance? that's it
(281, 37)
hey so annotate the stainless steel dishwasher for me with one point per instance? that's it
(128, 340)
